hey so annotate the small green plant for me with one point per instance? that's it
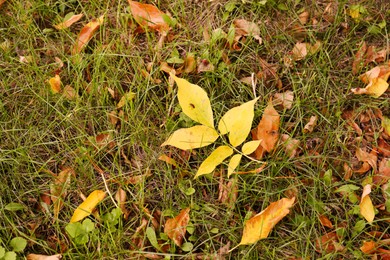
(18, 244)
(81, 233)
(111, 219)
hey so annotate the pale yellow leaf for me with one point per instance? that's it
(194, 102)
(214, 159)
(43, 257)
(366, 208)
(55, 84)
(125, 98)
(238, 122)
(193, 137)
(85, 208)
(375, 88)
(233, 163)
(259, 226)
(68, 22)
(250, 147)
(175, 228)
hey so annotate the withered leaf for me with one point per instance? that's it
(86, 34)
(175, 228)
(150, 16)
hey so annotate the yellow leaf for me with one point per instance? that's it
(193, 137)
(55, 84)
(43, 257)
(85, 208)
(65, 24)
(214, 159)
(175, 228)
(125, 98)
(366, 208)
(238, 122)
(194, 102)
(250, 147)
(386, 125)
(375, 88)
(233, 163)
(261, 225)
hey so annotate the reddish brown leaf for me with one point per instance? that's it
(383, 147)
(149, 16)
(383, 174)
(86, 34)
(175, 228)
(368, 247)
(325, 221)
(267, 131)
(369, 160)
(329, 243)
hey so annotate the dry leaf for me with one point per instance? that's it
(358, 61)
(85, 208)
(58, 189)
(366, 208)
(368, 247)
(43, 257)
(325, 221)
(228, 193)
(175, 228)
(259, 226)
(304, 17)
(204, 65)
(309, 127)
(2, 2)
(125, 99)
(376, 79)
(189, 63)
(150, 16)
(267, 131)
(290, 145)
(121, 198)
(285, 99)
(301, 50)
(168, 160)
(268, 74)
(369, 160)
(86, 34)
(55, 84)
(245, 28)
(383, 174)
(69, 93)
(329, 243)
(66, 24)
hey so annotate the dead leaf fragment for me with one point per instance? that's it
(246, 28)
(309, 127)
(125, 99)
(55, 84)
(43, 257)
(149, 16)
(290, 145)
(383, 174)
(267, 131)
(58, 189)
(69, 93)
(366, 207)
(121, 198)
(68, 22)
(368, 247)
(86, 34)
(325, 221)
(369, 160)
(175, 228)
(285, 99)
(259, 226)
(204, 66)
(302, 49)
(329, 243)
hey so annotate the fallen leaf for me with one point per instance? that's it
(189, 65)
(121, 198)
(246, 28)
(125, 99)
(269, 74)
(148, 15)
(69, 93)
(358, 61)
(228, 193)
(366, 208)
(386, 125)
(250, 147)
(309, 127)
(204, 66)
(259, 226)
(55, 84)
(86, 34)
(85, 208)
(2, 2)
(194, 137)
(381, 71)
(68, 22)
(238, 122)
(368, 247)
(58, 189)
(258, 170)
(304, 17)
(383, 174)
(375, 88)
(325, 221)
(267, 131)
(43, 257)
(290, 145)
(194, 102)
(168, 160)
(369, 160)
(233, 163)
(213, 160)
(329, 243)
(302, 49)
(175, 228)
(285, 99)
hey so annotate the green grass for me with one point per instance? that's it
(41, 131)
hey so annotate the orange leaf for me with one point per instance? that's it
(329, 243)
(69, 22)
(261, 225)
(325, 221)
(368, 247)
(175, 228)
(366, 208)
(267, 130)
(86, 34)
(149, 15)
(55, 84)
(43, 257)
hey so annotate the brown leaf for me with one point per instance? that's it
(204, 65)
(228, 192)
(383, 147)
(43, 257)
(148, 15)
(369, 160)
(285, 99)
(189, 63)
(290, 145)
(69, 22)
(358, 61)
(175, 228)
(329, 243)
(246, 28)
(58, 189)
(86, 34)
(299, 51)
(259, 226)
(325, 221)
(69, 93)
(368, 247)
(383, 174)
(309, 127)
(304, 17)
(2, 2)
(267, 131)
(121, 198)
(268, 74)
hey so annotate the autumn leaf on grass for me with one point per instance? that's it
(69, 19)
(267, 131)
(43, 257)
(376, 79)
(175, 228)
(233, 163)
(368, 247)
(214, 159)
(86, 34)
(238, 122)
(193, 137)
(85, 208)
(383, 174)
(55, 84)
(261, 225)
(150, 16)
(285, 99)
(246, 28)
(194, 102)
(366, 208)
(2, 2)
(369, 160)
(329, 243)
(302, 49)
(58, 189)
(309, 127)
(127, 97)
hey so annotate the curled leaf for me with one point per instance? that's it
(193, 137)
(86, 34)
(214, 159)
(43, 257)
(238, 122)
(309, 127)
(175, 228)
(85, 208)
(194, 102)
(150, 16)
(68, 22)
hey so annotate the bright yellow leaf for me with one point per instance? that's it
(250, 147)
(85, 208)
(366, 208)
(238, 122)
(214, 159)
(375, 88)
(386, 125)
(193, 137)
(194, 102)
(233, 163)
(261, 225)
